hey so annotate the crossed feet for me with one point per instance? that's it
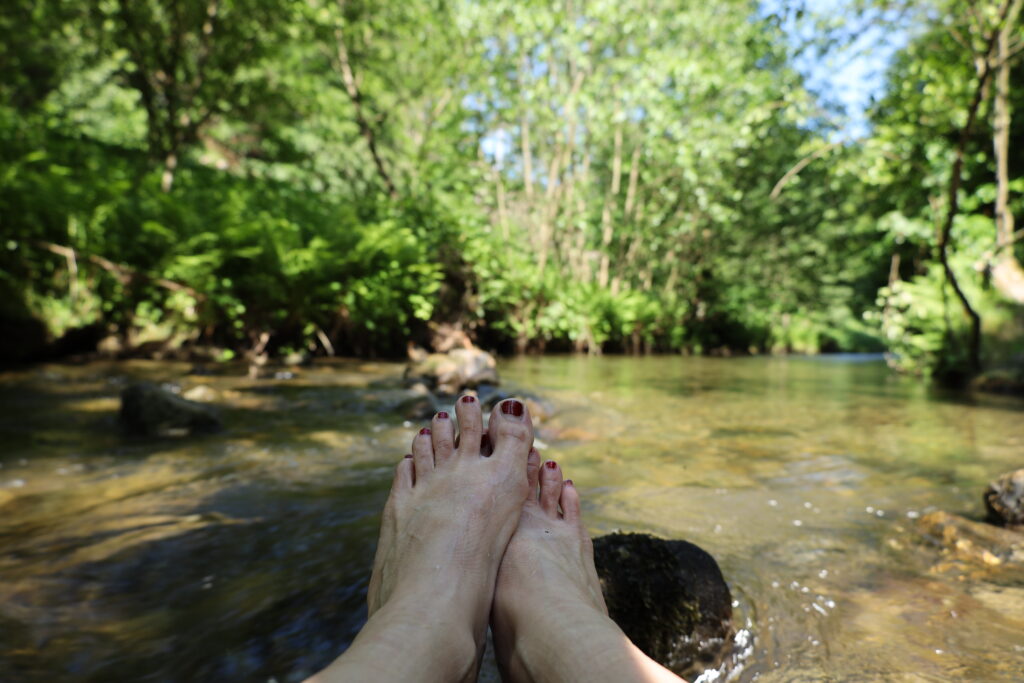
(475, 531)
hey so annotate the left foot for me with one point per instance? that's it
(444, 531)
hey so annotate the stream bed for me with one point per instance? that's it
(245, 555)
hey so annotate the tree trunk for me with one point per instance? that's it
(1007, 275)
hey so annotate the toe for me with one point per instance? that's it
(471, 425)
(570, 502)
(423, 454)
(533, 470)
(550, 487)
(404, 476)
(511, 431)
(442, 436)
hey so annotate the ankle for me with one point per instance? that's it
(409, 642)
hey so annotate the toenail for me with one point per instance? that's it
(512, 407)
(551, 464)
(425, 430)
(468, 399)
(568, 482)
(442, 415)
(408, 455)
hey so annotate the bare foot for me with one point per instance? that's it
(549, 619)
(444, 531)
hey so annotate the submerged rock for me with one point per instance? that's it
(420, 407)
(1004, 500)
(449, 373)
(669, 597)
(973, 542)
(149, 410)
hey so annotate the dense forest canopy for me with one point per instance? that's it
(627, 175)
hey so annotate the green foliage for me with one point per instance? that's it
(618, 176)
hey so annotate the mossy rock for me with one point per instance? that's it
(1004, 500)
(669, 597)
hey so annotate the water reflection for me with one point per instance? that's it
(244, 555)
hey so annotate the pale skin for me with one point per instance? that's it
(475, 531)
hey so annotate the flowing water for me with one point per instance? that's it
(245, 555)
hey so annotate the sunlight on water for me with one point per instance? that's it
(246, 553)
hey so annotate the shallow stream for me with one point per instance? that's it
(245, 555)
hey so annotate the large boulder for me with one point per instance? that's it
(449, 373)
(1004, 500)
(149, 410)
(669, 597)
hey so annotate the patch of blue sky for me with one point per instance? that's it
(849, 75)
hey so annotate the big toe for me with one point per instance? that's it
(511, 431)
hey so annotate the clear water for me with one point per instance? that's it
(245, 555)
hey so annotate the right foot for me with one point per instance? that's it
(549, 618)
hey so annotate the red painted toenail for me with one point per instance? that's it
(568, 482)
(485, 441)
(551, 464)
(512, 407)
(425, 430)
(468, 399)
(442, 415)
(408, 455)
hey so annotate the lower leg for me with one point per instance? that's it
(549, 619)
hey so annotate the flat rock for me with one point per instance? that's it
(669, 597)
(150, 410)
(973, 542)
